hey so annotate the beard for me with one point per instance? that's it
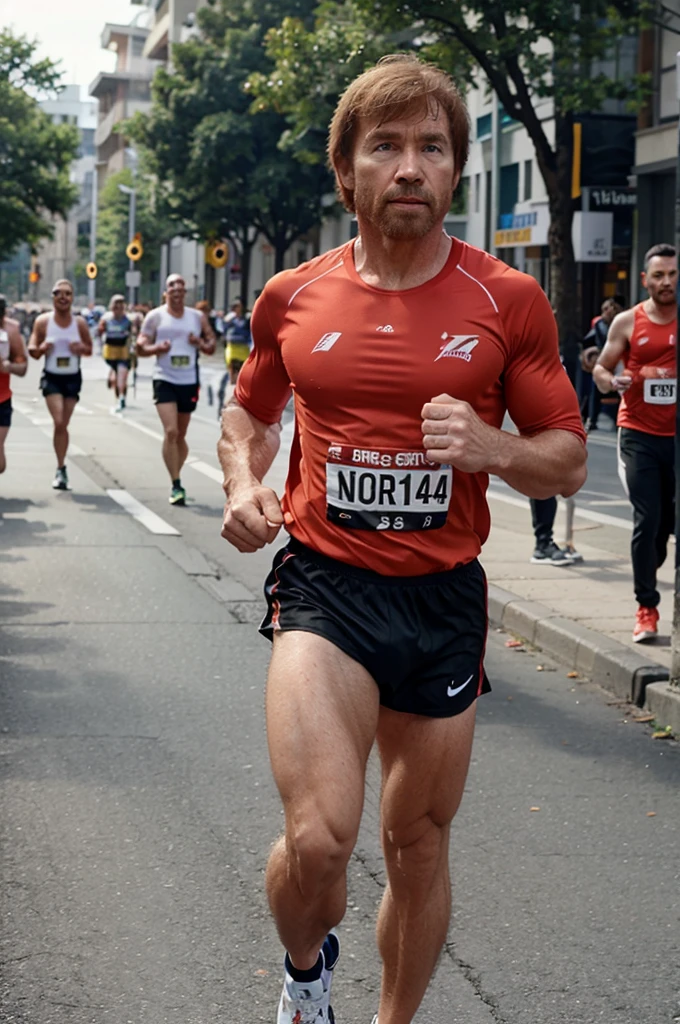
(666, 298)
(401, 225)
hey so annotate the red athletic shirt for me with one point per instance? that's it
(649, 403)
(362, 362)
(5, 388)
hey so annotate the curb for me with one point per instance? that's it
(611, 664)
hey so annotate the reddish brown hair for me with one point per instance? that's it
(399, 85)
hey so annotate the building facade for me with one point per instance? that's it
(63, 255)
(120, 93)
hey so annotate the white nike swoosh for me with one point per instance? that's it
(452, 692)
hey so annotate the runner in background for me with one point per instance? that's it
(13, 361)
(62, 338)
(175, 334)
(645, 338)
(116, 329)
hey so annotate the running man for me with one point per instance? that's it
(404, 348)
(116, 329)
(62, 338)
(644, 337)
(175, 334)
(13, 360)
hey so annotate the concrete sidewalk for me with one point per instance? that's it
(582, 613)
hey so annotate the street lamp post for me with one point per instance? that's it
(132, 193)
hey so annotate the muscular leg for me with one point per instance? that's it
(61, 410)
(4, 431)
(322, 713)
(121, 381)
(424, 766)
(168, 414)
(183, 421)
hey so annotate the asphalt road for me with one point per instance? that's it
(137, 809)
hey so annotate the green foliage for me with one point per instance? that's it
(220, 170)
(35, 155)
(313, 65)
(113, 235)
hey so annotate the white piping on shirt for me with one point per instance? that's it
(491, 298)
(336, 267)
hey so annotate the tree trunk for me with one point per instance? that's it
(563, 283)
(280, 249)
(246, 253)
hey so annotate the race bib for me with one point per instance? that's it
(659, 391)
(63, 362)
(370, 489)
(179, 360)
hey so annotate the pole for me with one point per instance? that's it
(92, 284)
(133, 213)
(675, 639)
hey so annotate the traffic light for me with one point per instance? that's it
(135, 250)
(34, 274)
(91, 271)
(217, 254)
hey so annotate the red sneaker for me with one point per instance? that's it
(646, 621)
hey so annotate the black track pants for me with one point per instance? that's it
(647, 471)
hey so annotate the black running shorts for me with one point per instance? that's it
(6, 413)
(115, 363)
(422, 638)
(67, 384)
(184, 396)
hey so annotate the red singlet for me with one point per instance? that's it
(5, 387)
(649, 403)
(362, 362)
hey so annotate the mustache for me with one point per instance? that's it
(420, 194)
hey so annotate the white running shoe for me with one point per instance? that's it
(308, 1002)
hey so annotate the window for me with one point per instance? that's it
(478, 192)
(528, 172)
(509, 188)
(484, 127)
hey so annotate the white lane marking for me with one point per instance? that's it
(206, 470)
(583, 513)
(140, 426)
(43, 422)
(620, 502)
(142, 514)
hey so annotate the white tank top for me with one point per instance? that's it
(61, 360)
(180, 364)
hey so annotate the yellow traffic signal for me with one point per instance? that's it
(217, 254)
(135, 250)
(91, 271)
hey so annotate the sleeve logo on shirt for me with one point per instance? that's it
(458, 346)
(327, 342)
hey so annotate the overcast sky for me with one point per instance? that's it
(69, 31)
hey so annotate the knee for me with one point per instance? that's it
(417, 847)
(319, 855)
(172, 435)
(59, 425)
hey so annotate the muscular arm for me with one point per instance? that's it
(17, 363)
(146, 346)
(85, 336)
(246, 451)
(613, 352)
(552, 462)
(36, 344)
(207, 344)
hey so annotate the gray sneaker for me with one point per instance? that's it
(308, 1002)
(550, 554)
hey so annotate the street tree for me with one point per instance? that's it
(113, 235)
(35, 154)
(220, 169)
(526, 49)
